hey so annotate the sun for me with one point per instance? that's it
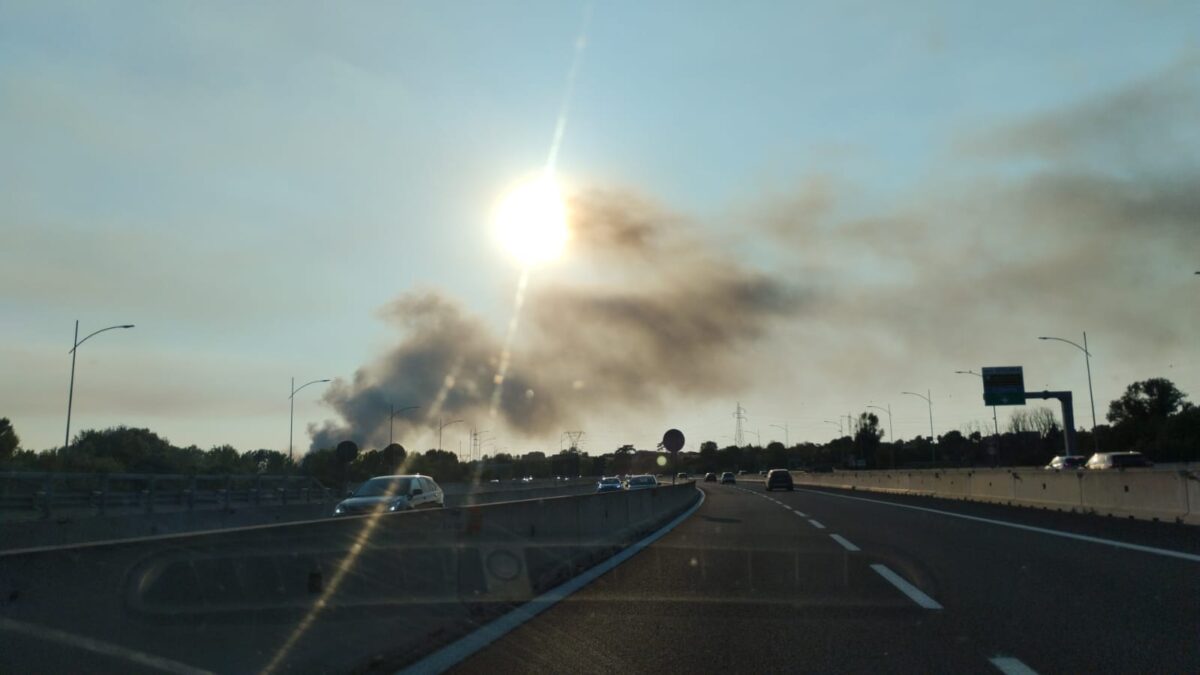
(531, 221)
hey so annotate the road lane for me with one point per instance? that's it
(743, 585)
(1061, 604)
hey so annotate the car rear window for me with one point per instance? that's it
(1128, 460)
(382, 487)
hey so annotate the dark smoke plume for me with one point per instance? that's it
(663, 313)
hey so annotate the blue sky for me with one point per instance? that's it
(251, 184)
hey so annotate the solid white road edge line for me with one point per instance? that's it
(915, 594)
(101, 647)
(1011, 666)
(1028, 528)
(458, 651)
(845, 543)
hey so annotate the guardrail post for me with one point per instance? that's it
(47, 495)
(103, 495)
(149, 493)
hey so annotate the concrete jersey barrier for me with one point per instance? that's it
(317, 596)
(1172, 496)
(65, 529)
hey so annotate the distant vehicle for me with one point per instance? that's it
(681, 476)
(384, 494)
(710, 477)
(609, 484)
(779, 478)
(1067, 462)
(642, 482)
(1118, 460)
(742, 472)
(728, 477)
(762, 473)
(494, 480)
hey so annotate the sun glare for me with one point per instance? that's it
(531, 221)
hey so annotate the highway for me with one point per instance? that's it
(839, 581)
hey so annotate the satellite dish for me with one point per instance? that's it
(673, 440)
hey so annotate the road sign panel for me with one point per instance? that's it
(1004, 385)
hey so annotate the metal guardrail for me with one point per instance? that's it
(28, 495)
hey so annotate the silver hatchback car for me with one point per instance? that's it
(386, 494)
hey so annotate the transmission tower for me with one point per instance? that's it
(740, 416)
(574, 440)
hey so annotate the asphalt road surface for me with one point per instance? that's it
(833, 581)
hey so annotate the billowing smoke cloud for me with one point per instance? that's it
(1082, 218)
(662, 313)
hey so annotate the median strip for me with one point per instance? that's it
(915, 594)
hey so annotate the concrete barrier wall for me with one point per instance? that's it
(1172, 496)
(331, 595)
(64, 529)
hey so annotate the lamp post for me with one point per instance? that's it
(786, 440)
(292, 411)
(995, 420)
(71, 391)
(443, 425)
(888, 410)
(928, 398)
(837, 424)
(392, 419)
(1087, 359)
(891, 434)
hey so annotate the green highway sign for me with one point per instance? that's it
(1004, 385)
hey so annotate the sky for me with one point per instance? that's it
(804, 208)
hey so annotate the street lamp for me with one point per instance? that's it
(71, 391)
(786, 440)
(995, 420)
(837, 424)
(292, 412)
(392, 418)
(928, 399)
(443, 425)
(891, 433)
(1087, 359)
(891, 430)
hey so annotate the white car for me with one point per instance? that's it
(642, 482)
(1067, 462)
(1117, 460)
(386, 494)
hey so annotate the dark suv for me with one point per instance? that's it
(779, 478)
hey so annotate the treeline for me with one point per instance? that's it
(1152, 416)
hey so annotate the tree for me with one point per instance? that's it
(1145, 401)
(1043, 421)
(9, 441)
(866, 439)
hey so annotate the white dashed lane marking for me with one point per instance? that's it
(915, 594)
(845, 543)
